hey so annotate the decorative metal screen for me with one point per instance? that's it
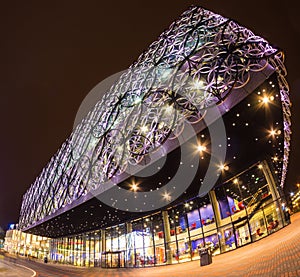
(197, 62)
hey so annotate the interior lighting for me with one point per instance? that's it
(201, 148)
(223, 167)
(166, 196)
(265, 99)
(272, 132)
(134, 187)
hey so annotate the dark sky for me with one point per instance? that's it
(52, 53)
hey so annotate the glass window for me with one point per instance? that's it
(212, 241)
(206, 212)
(91, 249)
(196, 243)
(122, 236)
(223, 202)
(78, 250)
(258, 225)
(149, 256)
(108, 239)
(227, 238)
(148, 232)
(178, 223)
(130, 247)
(160, 257)
(158, 229)
(115, 238)
(97, 248)
(193, 219)
(138, 236)
(273, 217)
(159, 242)
(184, 250)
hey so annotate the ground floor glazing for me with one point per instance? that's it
(243, 210)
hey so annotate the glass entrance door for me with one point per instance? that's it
(242, 232)
(112, 259)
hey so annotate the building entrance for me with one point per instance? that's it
(113, 259)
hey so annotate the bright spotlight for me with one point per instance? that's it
(201, 148)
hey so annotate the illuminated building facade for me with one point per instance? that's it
(27, 245)
(205, 75)
(295, 199)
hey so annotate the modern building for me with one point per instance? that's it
(295, 199)
(24, 244)
(189, 148)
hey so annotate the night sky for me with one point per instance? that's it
(52, 53)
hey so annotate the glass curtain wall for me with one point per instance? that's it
(243, 210)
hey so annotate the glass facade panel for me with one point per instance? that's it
(160, 257)
(184, 252)
(92, 249)
(273, 216)
(78, 251)
(159, 239)
(227, 238)
(130, 247)
(138, 237)
(67, 250)
(193, 217)
(223, 204)
(149, 256)
(211, 240)
(97, 250)
(207, 214)
(258, 225)
(115, 238)
(108, 243)
(196, 243)
(122, 236)
(84, 252)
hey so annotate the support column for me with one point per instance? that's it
(272, 186)
(216, 208)
(167, 231)
(25, 246)
(103, 241)
(83, 236)
(270, 180)
(129, 227)
(130, 244)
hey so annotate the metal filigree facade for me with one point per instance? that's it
(196, 63)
